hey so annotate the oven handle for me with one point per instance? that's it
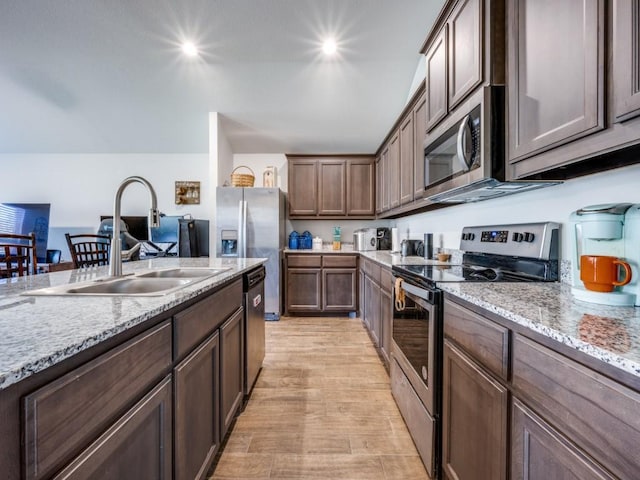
(418, 295)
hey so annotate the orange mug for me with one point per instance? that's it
(600, 273)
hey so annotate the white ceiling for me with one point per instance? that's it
(107, 76)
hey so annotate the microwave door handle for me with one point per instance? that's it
(464, 145)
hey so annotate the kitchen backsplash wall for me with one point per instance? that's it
(548, 204)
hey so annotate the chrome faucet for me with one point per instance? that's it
(115, 255)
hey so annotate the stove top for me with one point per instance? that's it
(498, 253)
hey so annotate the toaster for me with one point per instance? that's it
(365, 239)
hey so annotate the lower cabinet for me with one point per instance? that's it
(137, 446)
(231, 369)
(474, 411)
(197, 410)
(372, 307)
(376, 304)
(321, 283)
(538, 451)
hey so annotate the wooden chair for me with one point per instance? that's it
(17, 255)
(88, 250)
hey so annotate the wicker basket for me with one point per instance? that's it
(242, 179)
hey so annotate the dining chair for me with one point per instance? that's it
(17, 255)
(88, 249)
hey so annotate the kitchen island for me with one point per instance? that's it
(87, 381)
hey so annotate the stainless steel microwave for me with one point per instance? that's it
(464, 157)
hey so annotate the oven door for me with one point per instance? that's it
(416, 334)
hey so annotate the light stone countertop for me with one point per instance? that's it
(37, 332)
(609, 334)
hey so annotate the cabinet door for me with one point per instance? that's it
(465, 42)
(137, 446)
(556, 95)
(332, 187)
(339, 289)
(303, 187)
(379, 184)
(360, 187)
(436, 58)
(362, 297)
(384, 179)
(197, 410)
(231, 369)
(626, 58)
(394, 171)
(538, 451)
(304, 289)
(420, 128)
(407, 152)
(372, 296)
(474, 427)
(386, 317)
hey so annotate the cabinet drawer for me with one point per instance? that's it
(303, 261)
(372, 270)
(62, 417)
(418, 421)
(340, 261)
(194, 324)
(596, 413)
(485, 340)
(386, 280)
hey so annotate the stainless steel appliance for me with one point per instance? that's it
(365, 239)
(384, 238)
(409, 248)
(254, 331)
(499, 253)
(464, 159)
(610, 230)
(250, 224)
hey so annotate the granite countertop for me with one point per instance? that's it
(37, 332)
(609, 334)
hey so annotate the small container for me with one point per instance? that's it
(305, 241)
(293, 240)
(317, 243)
(337, 237)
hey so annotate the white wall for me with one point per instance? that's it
(548, 204)
(81, 187)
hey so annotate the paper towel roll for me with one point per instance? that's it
(395, 240)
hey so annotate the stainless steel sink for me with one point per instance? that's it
(147, 284)
(194, 272)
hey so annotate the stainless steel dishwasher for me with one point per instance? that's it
(254, 326)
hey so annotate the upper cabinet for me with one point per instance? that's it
(573, 86)
(626, 58)
(555, 94)
(400, 160)
(463, 51)
(331, 186)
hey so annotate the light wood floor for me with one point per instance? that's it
(321, 409)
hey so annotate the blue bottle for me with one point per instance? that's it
(293, 240)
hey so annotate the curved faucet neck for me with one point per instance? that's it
(115, 255)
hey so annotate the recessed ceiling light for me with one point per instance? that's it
(329, 46)
(189, 49)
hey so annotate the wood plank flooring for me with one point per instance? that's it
(321, 409)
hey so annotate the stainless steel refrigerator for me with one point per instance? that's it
(250, 224)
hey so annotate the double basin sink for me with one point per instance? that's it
(147, 284)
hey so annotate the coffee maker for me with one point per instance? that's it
(610, 230)
(383, 238)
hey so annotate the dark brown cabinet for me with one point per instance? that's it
(331, 186)
(138, 445)
(436, 75)
(539, 451)
(474, 427)
(303, 187)
(549, 110)
(197, 410)
(376, 304)
(626, 58)
(321, 283)
(231, 369)
(400, 172)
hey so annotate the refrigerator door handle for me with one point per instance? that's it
(242, 229)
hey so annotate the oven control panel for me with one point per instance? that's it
(534, 240)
